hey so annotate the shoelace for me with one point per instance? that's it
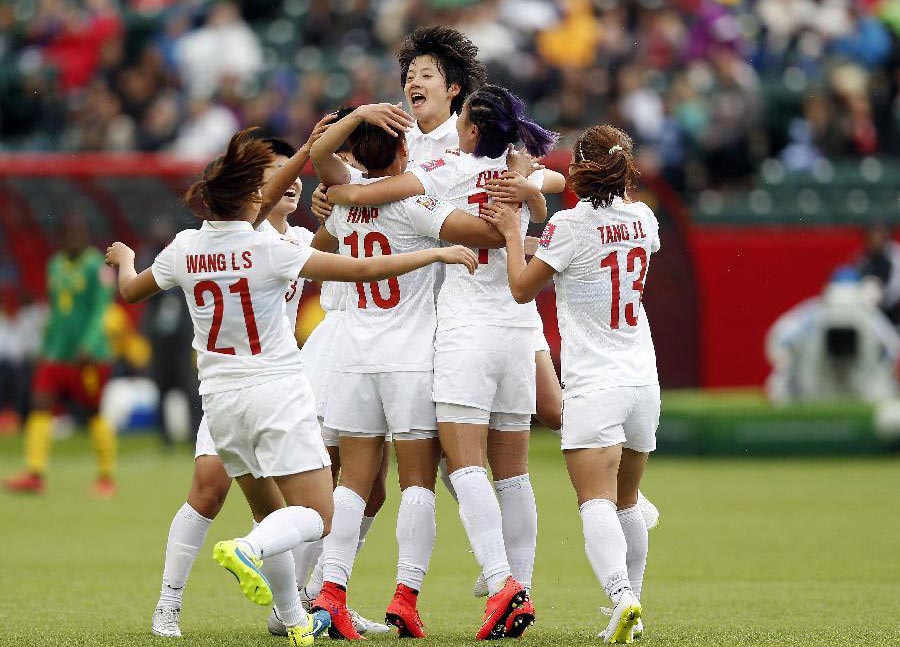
(607, 611)
(169, 617)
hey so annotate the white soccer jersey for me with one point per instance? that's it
(428, 146)
(601, 257)
(234, 281)
(295, 287)
(459, 178)
(333, 294)
(389, 324)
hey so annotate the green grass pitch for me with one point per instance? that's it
(749, 553)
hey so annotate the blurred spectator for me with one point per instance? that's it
(881, 260)
(22, 323)
(689, 79)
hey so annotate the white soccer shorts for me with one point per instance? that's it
(205, 445)
(487, 367)
(540, 342)
(319, 357)
(267, 429)
(394, 404)
(628, 415)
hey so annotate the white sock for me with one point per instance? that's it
(520, 520)
(416, 532)
(186, 536)
(283, 530)
(636, 537)
(305, 557)
(340, 544)
(605, 546)
(444, 473)
(314, 586)
(480, 514)
(364, 527)
(279, 570)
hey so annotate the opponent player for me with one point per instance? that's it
(481, 379)
(276, 453)
(210, 483)
(598, 256)
(74, 360)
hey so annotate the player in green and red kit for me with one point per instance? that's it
(74, 363)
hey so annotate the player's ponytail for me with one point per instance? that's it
(232, 181)
(501, 120)
(603, 167)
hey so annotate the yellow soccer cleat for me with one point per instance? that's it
(303, 635)
(625, 616)
(246, 570)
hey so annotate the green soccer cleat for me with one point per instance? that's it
(246, 570)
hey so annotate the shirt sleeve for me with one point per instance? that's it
(656, 243)
(427, 214)
(537, 178)
(163, 268)
(330, 222)
(557, 245)
(304, 235)
(435, 175)
(288, 256)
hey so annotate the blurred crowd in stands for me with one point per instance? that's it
(709, 88)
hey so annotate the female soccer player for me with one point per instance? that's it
(598, 256)
(484, 350)
(210, 483)
(396, 395)
(249, 366)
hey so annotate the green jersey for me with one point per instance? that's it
(80, 291)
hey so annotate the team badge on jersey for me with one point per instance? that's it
(428, 167)
(454, 151)
(427, 201)
(547, 235)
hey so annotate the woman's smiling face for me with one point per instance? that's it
(426, 90)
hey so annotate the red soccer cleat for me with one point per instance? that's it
(25, 483)
(104, 488)
(520, 619)
(498, 609)
(402, 613)
(333, 599)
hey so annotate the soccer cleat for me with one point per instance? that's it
(624, 617)
(520, 619)
(499, 607)
(402, 613)
(166, 622)
(365, 626)
(104, 488)
(333, 599)
(638, 630)
(648, 511)
(305, 633)
(480, 590)
(25, 483)
(246, 570)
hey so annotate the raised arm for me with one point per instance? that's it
(525, 281)
(323, 241)
(462, 228)
(330, 168)
(333, 267)
(390, 189)
(285, 176)
(133, 287)
(514, 188)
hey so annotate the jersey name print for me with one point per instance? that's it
(601, 257)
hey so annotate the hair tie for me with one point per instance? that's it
(615, 148)
(580, 153)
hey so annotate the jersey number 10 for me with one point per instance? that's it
(393, 298)
(611, 261)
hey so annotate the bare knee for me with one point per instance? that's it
(377, 496)
(209, 489)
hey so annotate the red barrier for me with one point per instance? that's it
(747, 277)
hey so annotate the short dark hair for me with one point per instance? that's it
(280, 147)
(373, 147)
(454, 54)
